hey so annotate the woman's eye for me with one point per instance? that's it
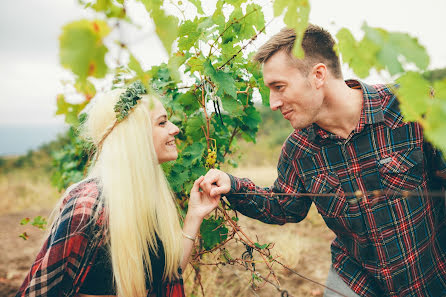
(163, 123)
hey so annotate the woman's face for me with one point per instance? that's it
(163, 134)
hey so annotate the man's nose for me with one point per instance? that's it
(274, 101)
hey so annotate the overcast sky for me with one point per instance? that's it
(29, 64)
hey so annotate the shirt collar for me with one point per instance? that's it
(371, 113)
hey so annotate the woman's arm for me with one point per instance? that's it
(200, 205)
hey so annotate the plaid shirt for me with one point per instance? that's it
(70, 249)
(386, 244)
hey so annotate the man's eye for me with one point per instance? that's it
(278, 88)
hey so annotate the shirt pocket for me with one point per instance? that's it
(401, 170)
(329, 197)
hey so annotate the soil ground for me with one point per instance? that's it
(304, 247)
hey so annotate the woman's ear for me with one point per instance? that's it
(319, 75)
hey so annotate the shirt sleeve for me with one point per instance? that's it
(64, 257)
(264, 205)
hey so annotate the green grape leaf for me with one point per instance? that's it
(188, 102)
(109, 9)
(196, 64)
(178, 176)
(82, 49)
(197, 171)
(264, 91)
(254, 16)
(218, 17)
(252, 118)
(413, 95)
(192, 153)
(135, 66)
(175, 61)
(24, 236)
(85, 87)
(232, 106)
(228, 50)
(213, 232)
(197, 4)
(296, 17)
(360, 56)
(223, 80)
(263, 246)
(188, 35)
(71, 111)
(166, 27)
(440, 89)
(393, 46)
(39, 222)
(194, 127)
(410, 48)
(435, 125)
(25, 221)
(235, 3)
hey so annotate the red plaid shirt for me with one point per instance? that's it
(387, 244)
(69, 251)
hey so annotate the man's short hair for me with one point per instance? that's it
(317, 44)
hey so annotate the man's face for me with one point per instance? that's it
(292, 92)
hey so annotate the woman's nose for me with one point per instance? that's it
(174, 130)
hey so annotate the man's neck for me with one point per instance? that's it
(342, 108)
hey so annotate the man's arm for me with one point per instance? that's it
(435, 166)
(263, 205)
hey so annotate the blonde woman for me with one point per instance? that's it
(117, 233)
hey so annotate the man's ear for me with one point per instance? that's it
(319, 75)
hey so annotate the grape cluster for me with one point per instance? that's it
(211, 158)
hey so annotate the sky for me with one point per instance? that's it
(30, 74)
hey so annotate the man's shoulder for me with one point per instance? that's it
(300, 143)
(390, 104)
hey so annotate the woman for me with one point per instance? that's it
(118, 231)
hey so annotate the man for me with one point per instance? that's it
(351, 141)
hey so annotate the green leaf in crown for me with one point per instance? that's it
(128, 99)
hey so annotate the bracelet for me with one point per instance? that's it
(189, 237)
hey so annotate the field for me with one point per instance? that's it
(304, 247)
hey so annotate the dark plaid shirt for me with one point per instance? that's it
(69, 252)
(387, 244)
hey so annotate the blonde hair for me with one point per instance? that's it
(138, 202)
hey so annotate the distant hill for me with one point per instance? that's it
(19, 139)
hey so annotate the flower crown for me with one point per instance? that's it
(123, 107)
(129, 99)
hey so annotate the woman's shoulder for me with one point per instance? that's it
(82, 199)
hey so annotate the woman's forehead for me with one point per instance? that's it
(156, 108)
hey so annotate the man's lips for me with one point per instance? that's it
(286, 114)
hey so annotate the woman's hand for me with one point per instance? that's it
(201, 204)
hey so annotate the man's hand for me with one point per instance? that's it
(216, 183)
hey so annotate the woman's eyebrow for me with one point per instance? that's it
(162, 116)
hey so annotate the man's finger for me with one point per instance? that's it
(210, 178)
(217, 191)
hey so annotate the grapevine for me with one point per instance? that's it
(216, 104)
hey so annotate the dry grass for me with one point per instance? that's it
(22, 189)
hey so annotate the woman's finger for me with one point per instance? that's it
(196, 186)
